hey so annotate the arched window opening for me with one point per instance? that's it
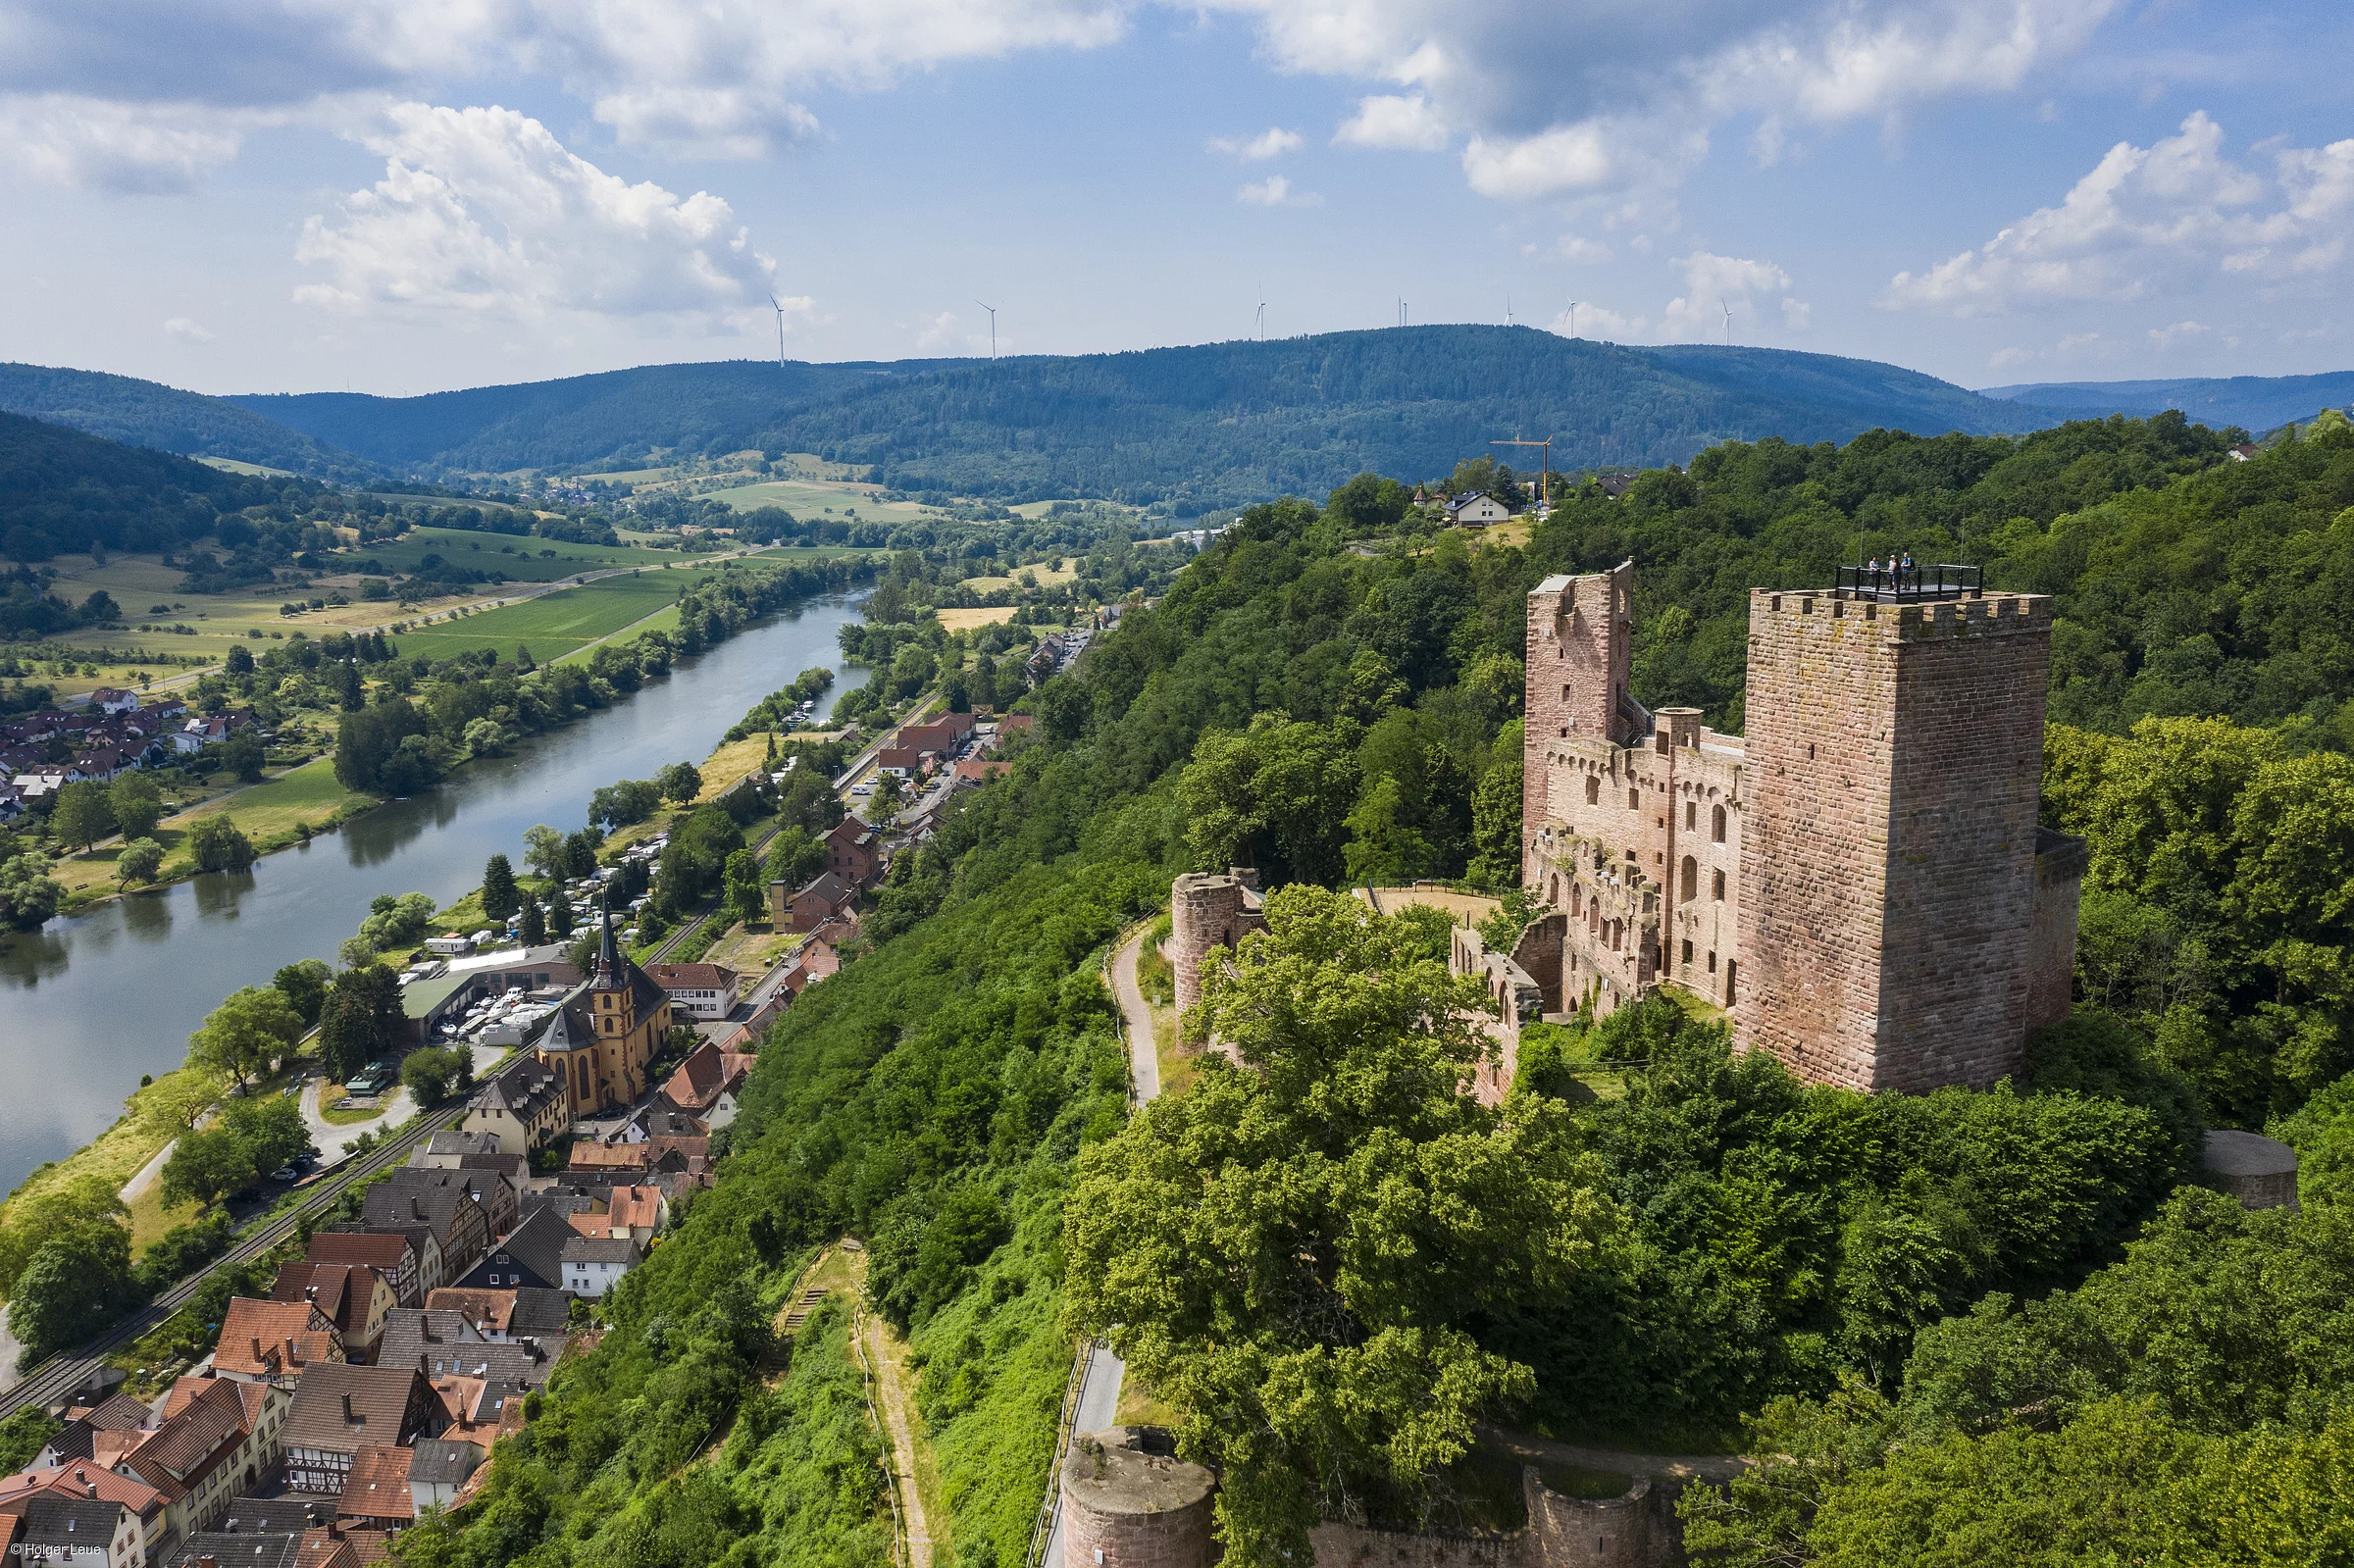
(1716, 824)
(1717, 886)
(1691, 878)
(1691, 812)
(1593, 790)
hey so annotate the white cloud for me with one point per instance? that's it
(2157, 219)
(1578, 248)
(1399, 122)
(1720, 285)
(719, 78)
(2178, 333)
(2002, 357)
(1797, 315)
(91, 144)
(1276, 191)
(1599, 321)
(187, 330)
(1625, 96)
(1272, 142)
(1607, 96)
(483, 211)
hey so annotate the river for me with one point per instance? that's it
(89, 1003)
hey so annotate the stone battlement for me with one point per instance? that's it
(1995, 615)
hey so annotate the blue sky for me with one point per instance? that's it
(407, 195)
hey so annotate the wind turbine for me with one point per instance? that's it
(993, 327)
(1573, 317)
(1507, 307)
(779, 306)
(1728, 322)
(1262, 318)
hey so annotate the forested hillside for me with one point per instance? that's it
(1195, 428)
(60, 490)
(1959, 1305)
(123, 407)
(1227, 424)
(615, 420)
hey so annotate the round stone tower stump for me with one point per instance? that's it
(1205, 911)
(2260, 1172)
(1128, 1502)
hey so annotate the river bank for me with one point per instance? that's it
(113, 991)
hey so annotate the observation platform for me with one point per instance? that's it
(1913, 585)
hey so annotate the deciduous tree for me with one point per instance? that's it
(137, 804)
(83, 815)
(243, 1034)
(139, 861)
(1296, 1252)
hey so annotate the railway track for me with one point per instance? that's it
(58, 1377)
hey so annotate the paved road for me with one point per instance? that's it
(54, 1379)
(1098, 1403)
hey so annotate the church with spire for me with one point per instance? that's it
(598, 1042)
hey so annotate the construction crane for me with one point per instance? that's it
(1545, 485)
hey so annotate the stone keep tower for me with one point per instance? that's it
(1889, 865)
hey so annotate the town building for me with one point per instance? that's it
(354, 1296)
(525, 1108)
(527, 1257)
(700, 990)
(1475, 509)
(854, 852)
(272, 1341)
(826, 896)
(338, 1410)
(1859, 881)
(594, 1265)
(598, 1042)
(707, 1078)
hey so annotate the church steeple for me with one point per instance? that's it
(609, 975)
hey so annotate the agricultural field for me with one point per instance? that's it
(1048, 577)
(968, 620)
(525, 559)
(805, 498)
(555, 623)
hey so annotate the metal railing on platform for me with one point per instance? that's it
(1902, 584)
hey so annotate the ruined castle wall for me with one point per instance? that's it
(1580, 651)
(1611, 855)
(1894, 755)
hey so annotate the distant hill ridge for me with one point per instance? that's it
(2259, 403)
(1199, 427)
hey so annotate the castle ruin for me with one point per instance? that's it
(1860, 881)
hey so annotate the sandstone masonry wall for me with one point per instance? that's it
(1895, 755)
